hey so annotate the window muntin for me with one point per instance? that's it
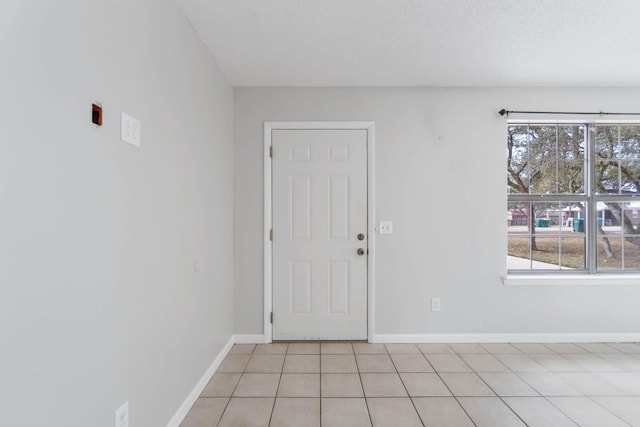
(553, 245)
(619, 246)
(617, 159)
(546, 159)
(573, 197)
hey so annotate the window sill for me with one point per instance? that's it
(572, 280)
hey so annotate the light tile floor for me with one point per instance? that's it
(449, 385)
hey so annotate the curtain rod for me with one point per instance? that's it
(506, 112)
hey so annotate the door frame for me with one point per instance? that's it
(269, 127)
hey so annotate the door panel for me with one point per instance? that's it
(338, 208)
(300, 205)
(319, 208)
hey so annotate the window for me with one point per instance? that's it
(573, 197)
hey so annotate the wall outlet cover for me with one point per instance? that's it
(130, 129)
(122, 415)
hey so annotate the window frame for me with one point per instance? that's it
(591, 198)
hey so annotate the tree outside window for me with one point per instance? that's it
(572, 193)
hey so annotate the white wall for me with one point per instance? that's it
(440, 177)
(99, 298)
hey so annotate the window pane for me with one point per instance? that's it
(543, 174)
(546, 241)
(609, 254)
(518, 242)
(619, 216)
(618, 253)
(545, 159)
(607, 176)
(631, 220)
(631, 253)
(629, 142)
(609, 251)
(546, 256)
(518, 252)
(607, 221)
(617, 153)
(606, 142)
(571, 159)
(631, 234)
(518, 215)
(572, 252)
(570, 176)
(629, 176)
(543, 156)
(518, 155)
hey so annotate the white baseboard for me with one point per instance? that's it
(249, 339)
(182, 412)
(506, 338)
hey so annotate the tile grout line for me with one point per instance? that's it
(590, 397)
(236, 386)
(364, 396)
(491, 388)
(275, 398)
(497, 395)
(447, 385)
(569, 416)
(518, 374)
(320, 380)
(405, 386)
(545, 397)
(606, 409)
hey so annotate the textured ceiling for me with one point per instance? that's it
(422, 42)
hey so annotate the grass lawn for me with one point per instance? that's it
(569, 248)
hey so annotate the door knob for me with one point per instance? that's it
(360, 251)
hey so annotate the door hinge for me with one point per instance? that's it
(271, 234)
(271, 151)
(271, 317)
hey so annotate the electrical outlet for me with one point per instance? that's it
(122, 415)
(435, 304)
(129, 129)
(385, 227)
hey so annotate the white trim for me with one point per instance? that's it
(571, 280)
(371, 221)
(268, 251)
(249, 339)
(182, 412)
(507, 338)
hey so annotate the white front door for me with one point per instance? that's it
(319, 234)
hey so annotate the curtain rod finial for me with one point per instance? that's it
(503, 112)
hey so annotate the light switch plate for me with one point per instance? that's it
(129, 129)
(385, 227)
